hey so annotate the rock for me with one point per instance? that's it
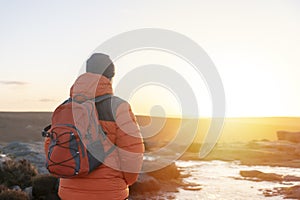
(33, 152)
(291, 178)
(270, 177)
(145, 183)
(251, 173)
(153, 184)
(28, 191)
(288, 192)
(289, 136)
(292, 192)
(16, 188)
(167, 173)
(256, 175)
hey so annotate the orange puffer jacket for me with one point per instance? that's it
(120, 169)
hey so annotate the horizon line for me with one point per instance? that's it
(177, 116)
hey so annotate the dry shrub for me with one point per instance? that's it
(13, 195)
(45, 187)
(17, 173)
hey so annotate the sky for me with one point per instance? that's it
(255, 46)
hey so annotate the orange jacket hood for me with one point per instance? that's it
(89, 85)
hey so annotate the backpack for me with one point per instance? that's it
(76, 139)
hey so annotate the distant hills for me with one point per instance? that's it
(234, 129)
(26, 126)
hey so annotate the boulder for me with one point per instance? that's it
(166, 179)
(145, 183)
(167, 173)
(256, 175)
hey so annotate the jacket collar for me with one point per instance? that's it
(89, 85)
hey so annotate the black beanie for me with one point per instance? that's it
(100, 63)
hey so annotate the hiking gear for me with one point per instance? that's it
(107, 181)
(75, 137)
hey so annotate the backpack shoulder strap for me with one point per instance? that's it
(102, 98)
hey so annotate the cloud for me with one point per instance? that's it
(13, 83)
(47, 100)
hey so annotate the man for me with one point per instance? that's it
(120, 169)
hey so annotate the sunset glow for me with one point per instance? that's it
(254, 46)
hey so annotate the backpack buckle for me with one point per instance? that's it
(45, 132)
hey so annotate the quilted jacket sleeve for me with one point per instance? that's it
(129, 142)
